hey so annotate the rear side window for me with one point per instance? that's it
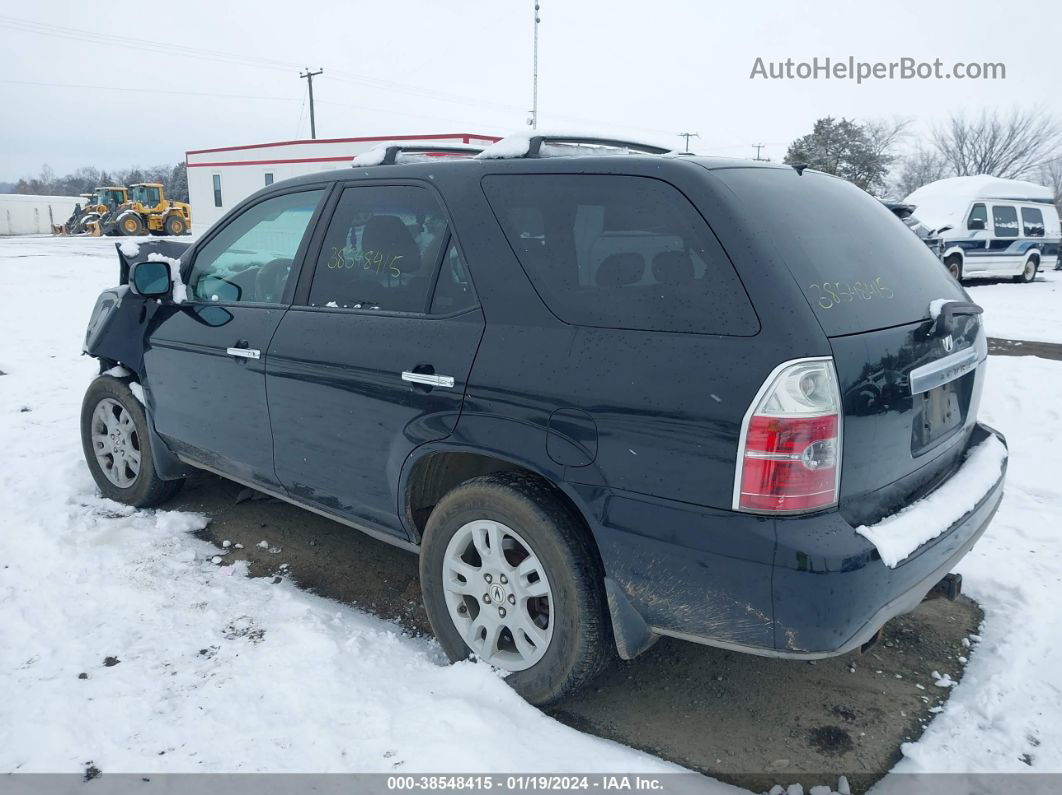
(381, 250)
(859, 267)
(620, 252)
(1005, 220)
(1033, 220)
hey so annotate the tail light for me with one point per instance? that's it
(789, 456)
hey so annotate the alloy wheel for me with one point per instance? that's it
(116, 443)
(498, 595)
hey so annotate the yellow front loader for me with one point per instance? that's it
(87, 219)
(148, 210)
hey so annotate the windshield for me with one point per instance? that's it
(859, 268)
(144, 194)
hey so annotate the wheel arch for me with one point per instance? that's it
(436, 468)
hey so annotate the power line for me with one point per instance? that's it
(758, 147)
(687, 136)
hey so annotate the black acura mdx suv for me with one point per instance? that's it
(606, 393)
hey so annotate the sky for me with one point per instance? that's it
(113, 90)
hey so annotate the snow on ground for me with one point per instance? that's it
(1022, 311)
(219, 672)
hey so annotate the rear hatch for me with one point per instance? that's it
(910, 383)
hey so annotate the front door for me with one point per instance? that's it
(205, 357)
(372, 359)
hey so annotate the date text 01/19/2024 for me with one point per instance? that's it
(523, 783)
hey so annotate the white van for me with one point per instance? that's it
(989, 227)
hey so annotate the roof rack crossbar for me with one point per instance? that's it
(534, 149)
(392, 152)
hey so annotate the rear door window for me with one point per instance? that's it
(859, 267)
(1032, 219)
(1005, 220)
(620, 252)
(381, 250)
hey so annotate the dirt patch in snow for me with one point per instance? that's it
(751, 721)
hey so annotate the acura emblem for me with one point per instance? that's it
(948, 343)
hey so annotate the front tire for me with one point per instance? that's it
(114, 437)
(954, 266)
(1028, 274)
(510, 576)
(130, 224)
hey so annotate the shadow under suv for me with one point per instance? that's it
(605, 397)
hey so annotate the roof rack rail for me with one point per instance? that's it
(534, 149)
(392, 152)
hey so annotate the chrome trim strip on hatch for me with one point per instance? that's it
(947, 369)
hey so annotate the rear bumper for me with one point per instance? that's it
(805, 588)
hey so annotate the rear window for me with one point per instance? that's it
(620, 252)
(859, 267)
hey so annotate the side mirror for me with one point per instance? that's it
(975, 224)
(150, 279)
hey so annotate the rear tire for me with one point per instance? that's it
(174, 226)
(954, 266)
(1029, 273)
(114, 437)
(553, 644)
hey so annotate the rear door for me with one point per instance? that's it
(373, 358)
(910, 384)
(1005, 251)
(205, 358)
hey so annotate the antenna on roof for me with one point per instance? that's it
(799, 168)
(532, 119)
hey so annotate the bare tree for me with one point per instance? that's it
(1009, 146)
(1050, 174)
(919, 168)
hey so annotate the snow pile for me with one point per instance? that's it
(371, 157)
(180, 292)
(897, 536)
(945, 202)
(1022, 312)
(129, 248)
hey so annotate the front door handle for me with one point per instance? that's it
(244, 353)
(428, 379)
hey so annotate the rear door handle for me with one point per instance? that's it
(427, 379)
(244, 353)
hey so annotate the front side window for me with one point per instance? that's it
(978, 217)
(1032, 219)
(381, 250)
(1005, 220)
(620, 252)
(217, 190)
(251, 258)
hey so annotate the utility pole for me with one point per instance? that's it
(533, 118)
(309, 80)
(687, 136)
(758, 147)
